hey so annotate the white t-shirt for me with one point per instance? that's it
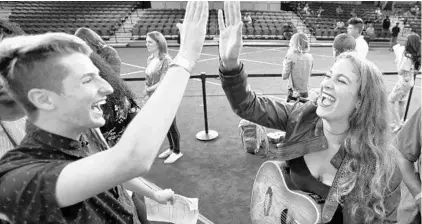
(361, 47)
(403, 63)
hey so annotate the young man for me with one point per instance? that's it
(409, 143)
(49, 177)
(355, 30)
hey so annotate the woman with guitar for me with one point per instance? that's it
(338, 148)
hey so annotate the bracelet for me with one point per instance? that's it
(418, 196)
(182, 62)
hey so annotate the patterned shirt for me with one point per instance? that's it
(28, 176)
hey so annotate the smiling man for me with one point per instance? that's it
(51, 176)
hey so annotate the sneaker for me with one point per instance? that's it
(165, 154)
(173, 157)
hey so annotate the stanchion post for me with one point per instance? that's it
(205, 135)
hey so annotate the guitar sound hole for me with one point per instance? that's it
(283, 217)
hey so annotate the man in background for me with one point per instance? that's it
(355, 29)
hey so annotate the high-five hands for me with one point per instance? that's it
(230, 41)
(192, 31)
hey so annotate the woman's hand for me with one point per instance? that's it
(230, 41)
(192, 31)
(163, 196)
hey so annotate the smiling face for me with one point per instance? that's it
(152, 45)
(78, 106)
(339, 92)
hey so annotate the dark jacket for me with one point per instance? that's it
(304, 135)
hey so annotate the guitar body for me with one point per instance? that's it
(273, 202)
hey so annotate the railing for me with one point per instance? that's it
(207, 134)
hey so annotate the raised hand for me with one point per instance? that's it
(192, 31)
(230, 41)
(163, 196)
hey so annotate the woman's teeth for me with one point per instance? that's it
(327, 100)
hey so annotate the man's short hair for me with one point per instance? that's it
(357, 23)
(29, 62)
(344, 42)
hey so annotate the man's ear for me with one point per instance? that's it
(43, 99)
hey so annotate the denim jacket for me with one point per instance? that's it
(304, 135)
(297, 68)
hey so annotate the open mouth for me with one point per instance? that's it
(327, 99)
(96, 107)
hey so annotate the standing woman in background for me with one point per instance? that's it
(157, 66)
(408, 59)
(97, 44)
(297, 67)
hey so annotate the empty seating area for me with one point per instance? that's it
(161, 20)
(266, 24)
(323, 27)
(52, 16)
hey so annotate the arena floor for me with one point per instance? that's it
(219, 172)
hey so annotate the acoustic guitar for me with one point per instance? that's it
(273, 201)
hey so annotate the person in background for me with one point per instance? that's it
(353, 13)
(370, 33)
(394, 34)
(408, 60)
(157, 66)
(97, 44)
(320, 11)
(386, 23)
(339, 25)
(378, 13)
(339, 11)
(409, 142)
(355, 29)
(297, 67)
(247, 19)
(343, 43)
(338, 147)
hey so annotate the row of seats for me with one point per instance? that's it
(39, 17)
(331, 33)
(265, 23)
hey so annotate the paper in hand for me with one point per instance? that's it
(183, 210)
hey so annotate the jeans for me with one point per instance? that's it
(174, 137)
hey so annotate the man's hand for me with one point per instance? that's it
(163, 196)
(230, 41)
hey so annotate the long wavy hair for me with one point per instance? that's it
(121, 90)
(368, 144)
(413, 49)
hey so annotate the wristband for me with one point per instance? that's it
(182, 62)
(418, 196)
